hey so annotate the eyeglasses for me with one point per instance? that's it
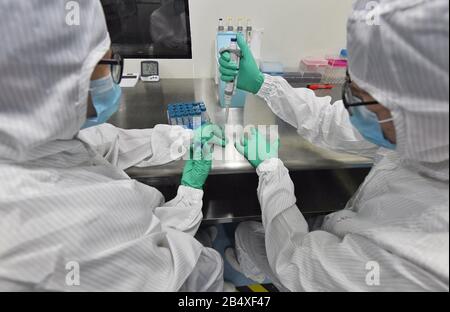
(349, 98)
(116, 64)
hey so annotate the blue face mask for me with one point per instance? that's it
(369, 126)
(105, 96)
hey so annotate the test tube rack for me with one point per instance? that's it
(187, 115)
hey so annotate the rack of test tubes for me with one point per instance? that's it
(188, 115)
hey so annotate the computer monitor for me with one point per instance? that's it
(156, 29)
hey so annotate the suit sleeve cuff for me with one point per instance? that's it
(190, 193)
(269, 166)
(268, 87)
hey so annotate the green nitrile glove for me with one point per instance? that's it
(249, 76)
(199, 165)
(196, 172)
(256, 148)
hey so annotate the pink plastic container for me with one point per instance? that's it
(336, 71)
(314, 65)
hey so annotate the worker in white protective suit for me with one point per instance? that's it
(70, 218)
(394, 233)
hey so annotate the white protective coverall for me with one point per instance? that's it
(70, 218)
(394, 233)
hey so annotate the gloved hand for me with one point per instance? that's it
(199, 165)
(256, 148)
(249, 76)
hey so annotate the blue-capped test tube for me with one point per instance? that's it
(172, 116)
(194, 111)
(188, 118)
(204, 114)
(197, 118)
(179, 117)
(185, 115)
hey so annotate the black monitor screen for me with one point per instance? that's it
(149, 28)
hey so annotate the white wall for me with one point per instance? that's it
(293, 29)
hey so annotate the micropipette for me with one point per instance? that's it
(249, 32)
(230, 27)
(240, 27)
(221, 27)
(230, 88)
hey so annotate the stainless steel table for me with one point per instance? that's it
(145, 106)
(318, 171)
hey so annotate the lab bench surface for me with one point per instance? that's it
(324, 180)
(145, 106)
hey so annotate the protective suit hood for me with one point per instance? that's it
(398, 52)
(46, 72)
